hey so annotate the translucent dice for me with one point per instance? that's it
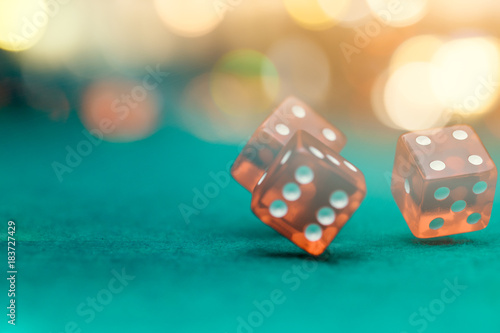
(308, 193)
(443, 181)
(275, 132)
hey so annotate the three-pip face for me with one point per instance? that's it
(443, 181)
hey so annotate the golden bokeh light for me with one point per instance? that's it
(462, 10)
(120, 110)
(335, 9)
(205, 120)
(66, 35)
(467, 74)
(398, 13)
(240, 28)
(310, 14)
(123, 34)
(303, 67)
(23, 23)
(409, 100)
(244, 81)
(377, 101)
(261, 6)
(189, 18)
(492, 122)
(416, 49)
(130, 39)
(355, 13)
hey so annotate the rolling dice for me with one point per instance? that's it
(275, 132)
(308, 193)
(443, 181)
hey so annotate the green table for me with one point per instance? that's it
(108, 250)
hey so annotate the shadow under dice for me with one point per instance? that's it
(443, 181)
(275, 132)
(308, 193)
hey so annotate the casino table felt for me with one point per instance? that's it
(117, 214)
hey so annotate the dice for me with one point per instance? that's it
(275, 132)
(308, 193)
(443, 181)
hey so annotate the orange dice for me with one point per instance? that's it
(308, 193)
(275, 132)
(443, 181)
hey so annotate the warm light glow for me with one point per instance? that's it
(66, 35)
(335, 9)
(462, 10)
(377, 101)
(416, 49)
(131, 38)
(492, 121)
(237, 82)
(398, 13)
(355, 13)
(311, 15)
(189, 18)
(409, 99)
(302, 66)
(22, 23)
(204, 119)
(125, 34)
(120, 110)
(467, 74)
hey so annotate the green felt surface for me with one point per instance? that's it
(119, 210)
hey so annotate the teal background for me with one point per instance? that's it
(119, 210)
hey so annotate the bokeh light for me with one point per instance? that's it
(463, 10)
(492, 122)
(467, 74)
(124, 35)
(241, 30)
(130, 39)
(355, 13)
(377, 101)
(244, 81)
(22, 23)
(120, 110)
(416, 49)
(205, 120)
(63, 39)
(335, 9)
(189, 18)
(310, 14)
(398, 13)
(247, 56)
(303, 68)
(409, 100)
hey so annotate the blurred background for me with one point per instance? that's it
(116, 114)
(399, 64)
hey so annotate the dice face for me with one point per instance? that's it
(275, 132)
(444, 181)
(308, 193)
